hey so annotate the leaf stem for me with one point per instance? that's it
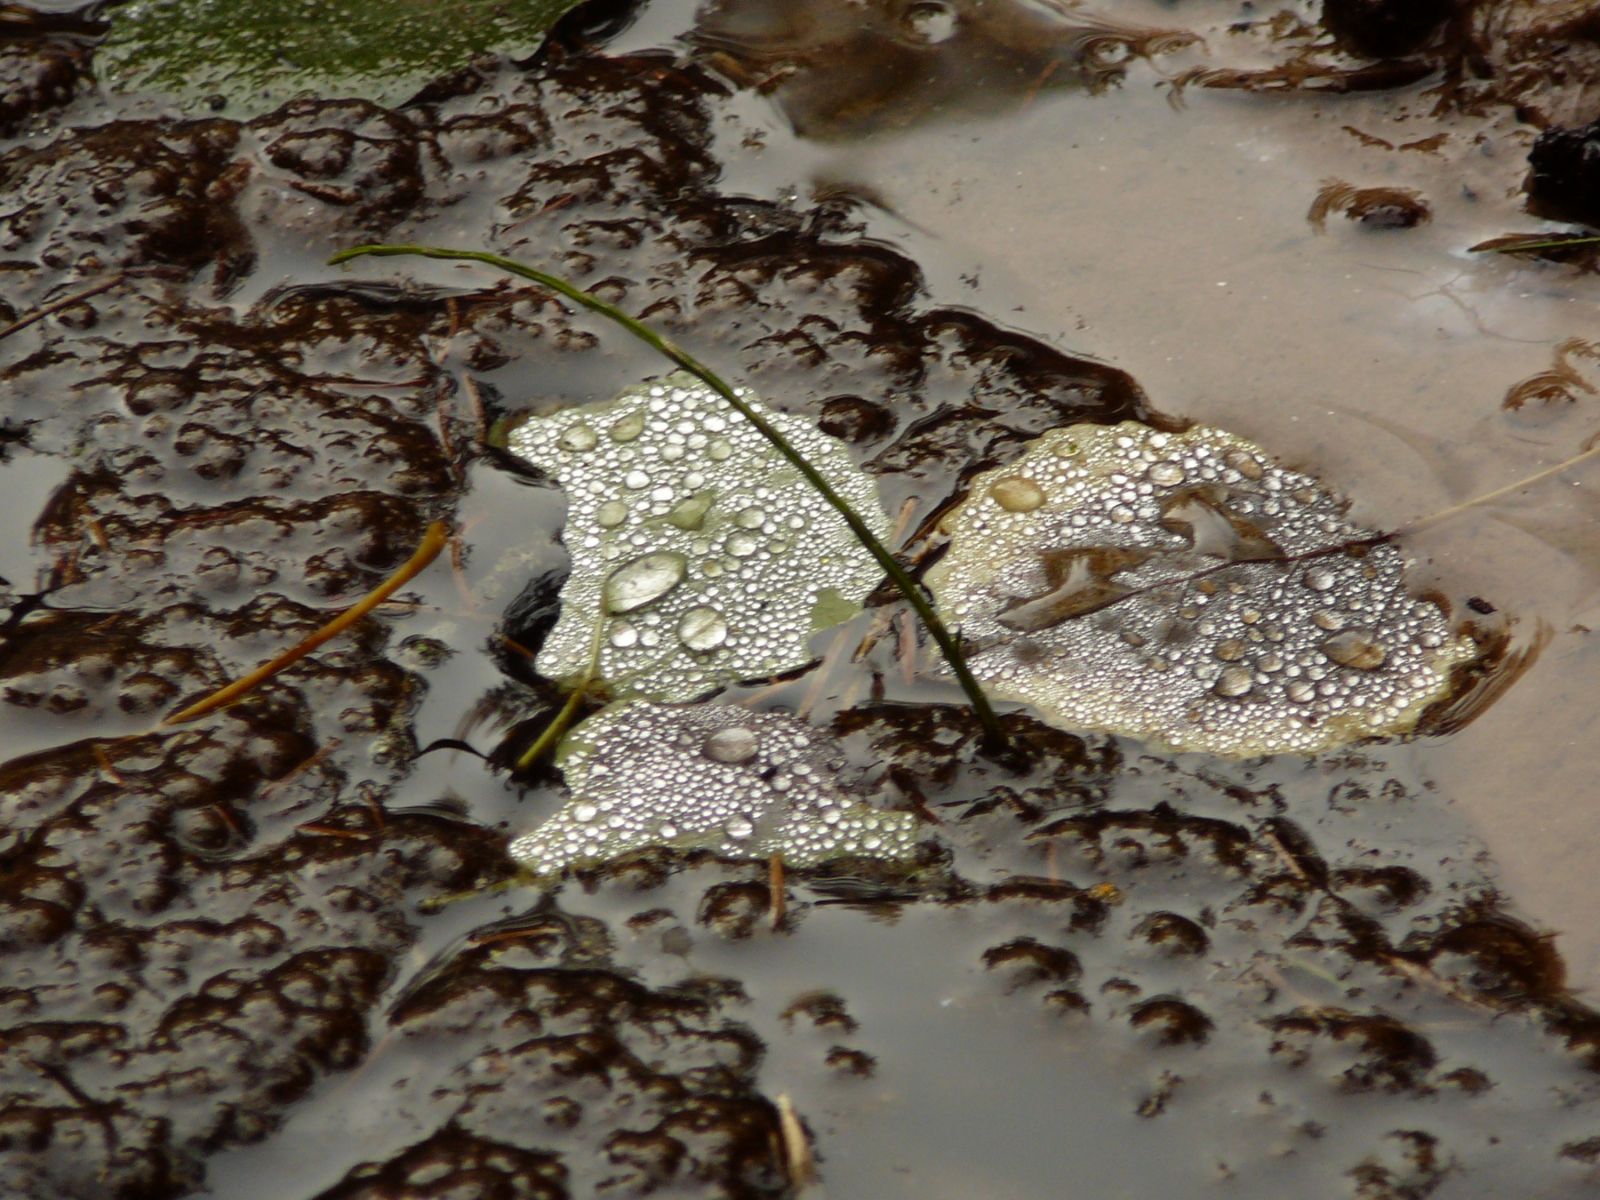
(909, 588)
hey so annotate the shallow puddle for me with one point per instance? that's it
(1109, 970)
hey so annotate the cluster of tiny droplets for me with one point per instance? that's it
(700, 547)
(740, 784)
(1258, 657)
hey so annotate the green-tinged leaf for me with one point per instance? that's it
(832, 609)
(704, 777)
(1187, 590)
(258, 53)
(700, 551)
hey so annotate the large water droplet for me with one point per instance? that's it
(1235, 681)
(584, 813)
(739, 828)
(1016, 494)
(702, 628)
(750, 518)
(644, 580)
(689, 514)
(742, 545)
(1167, 474)
(719, 450)
(611, 514)
(736, 744)
(579, 438)
(627, 427)
(1355, 648)
(1319, 579)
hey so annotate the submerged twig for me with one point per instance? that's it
(432, 542)
(55, 306)
(909, 588)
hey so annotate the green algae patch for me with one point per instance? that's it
(256, 54)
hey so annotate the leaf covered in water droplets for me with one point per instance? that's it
(699, 554)
(1186, 590)
(705, 777)
(256, 54)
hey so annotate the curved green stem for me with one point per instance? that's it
(909, 588)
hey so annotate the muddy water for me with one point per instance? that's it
(1166, 230)
(1117, 972)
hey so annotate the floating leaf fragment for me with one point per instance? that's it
(256, 54)
(708, 777)
(705, 556)
(1187, 590)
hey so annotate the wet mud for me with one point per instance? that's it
(224, 964)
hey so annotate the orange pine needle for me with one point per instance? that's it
(432, 542)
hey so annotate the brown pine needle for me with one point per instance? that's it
(432, 542)
(55, 306)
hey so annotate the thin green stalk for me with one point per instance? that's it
(909, 587)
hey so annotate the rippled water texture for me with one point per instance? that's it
(936, 230)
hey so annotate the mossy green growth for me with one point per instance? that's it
(256, 54)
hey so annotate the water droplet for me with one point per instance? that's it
(719, 450)
(1231, 650)
(1121, 514)
(750, 518)
(667, 832)
(1235, 681)
(584, 813)
(1323, 619)
(636, 479)
(1167, 474)
(643, 580)
(1319, 579)
(1355, 648)
(690, 513)
(623, 635)
(735, 744)
(742, 545)
(1300, 692)
(702, 628)
(627, 427)
(1016, 494)
(611, 514)
(739, 828)
(579, 438)
(1246, 464)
